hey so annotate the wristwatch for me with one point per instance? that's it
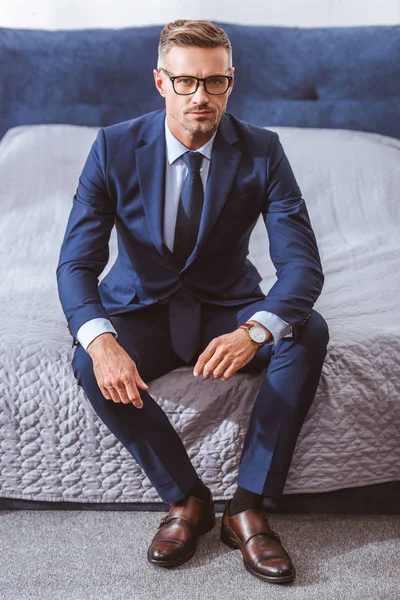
(256, 333)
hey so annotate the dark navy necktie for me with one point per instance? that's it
(189, 208)
(185, 309)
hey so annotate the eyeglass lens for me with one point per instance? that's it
(213, 85)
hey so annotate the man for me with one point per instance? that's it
(184, 188)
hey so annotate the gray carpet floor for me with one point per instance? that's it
(68, 555)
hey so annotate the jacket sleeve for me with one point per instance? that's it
(84, 251)
(292, 244)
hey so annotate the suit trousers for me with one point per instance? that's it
(293, 370)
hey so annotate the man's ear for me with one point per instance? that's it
(233, 80)
(159, 82)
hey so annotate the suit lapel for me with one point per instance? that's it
(150, 163)
(224, 164)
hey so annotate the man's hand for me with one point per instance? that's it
(116, 373)
(227, 354)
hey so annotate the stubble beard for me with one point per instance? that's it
(202, 126)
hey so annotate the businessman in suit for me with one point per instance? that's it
(184, 188)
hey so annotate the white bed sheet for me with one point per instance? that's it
(53, 445)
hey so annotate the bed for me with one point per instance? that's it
(336, 91)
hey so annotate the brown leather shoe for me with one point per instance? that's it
(263, 553)
(176, 538)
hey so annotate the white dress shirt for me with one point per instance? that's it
(176, 171)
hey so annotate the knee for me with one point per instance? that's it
(316, 330)
(82, 364)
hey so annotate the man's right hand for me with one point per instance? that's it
(116, 373)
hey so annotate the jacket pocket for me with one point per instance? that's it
(244, 196)
(117, 289)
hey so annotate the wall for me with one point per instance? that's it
(76, 14)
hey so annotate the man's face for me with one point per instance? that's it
(196, 116)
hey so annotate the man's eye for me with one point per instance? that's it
(214, 80)
(185, 81)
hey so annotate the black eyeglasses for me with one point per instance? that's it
(185, 85)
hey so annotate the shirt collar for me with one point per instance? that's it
(175, 148)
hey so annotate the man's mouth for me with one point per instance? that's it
(201, 112)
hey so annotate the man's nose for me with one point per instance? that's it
(200, 96)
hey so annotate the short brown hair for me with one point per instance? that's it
(201, 34)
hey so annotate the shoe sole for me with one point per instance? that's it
(231, 543)
(179, 561)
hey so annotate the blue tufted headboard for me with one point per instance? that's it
(333, 77)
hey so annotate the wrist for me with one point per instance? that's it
(100, 342)
(269, 338)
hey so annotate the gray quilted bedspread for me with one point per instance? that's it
(52, 444)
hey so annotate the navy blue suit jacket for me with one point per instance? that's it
(122, 183)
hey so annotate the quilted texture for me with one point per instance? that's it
(307, 77)
(52, 444)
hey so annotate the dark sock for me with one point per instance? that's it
(243, 500)
(200, 490)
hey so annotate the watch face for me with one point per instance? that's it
(258, 334)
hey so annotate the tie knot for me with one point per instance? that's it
(193, 161)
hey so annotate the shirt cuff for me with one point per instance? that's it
(92, 329)
(277, 326)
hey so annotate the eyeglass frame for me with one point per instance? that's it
(198, 79)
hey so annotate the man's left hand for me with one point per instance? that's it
(227, 354)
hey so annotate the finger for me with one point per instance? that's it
(203, 359)
(118, 393)
(231, 370)
(213, 363)
(105, 393)
(221, 368)
(123, 394)
(142, 385)
(133, 394)
(114, 395)
(139, 381)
